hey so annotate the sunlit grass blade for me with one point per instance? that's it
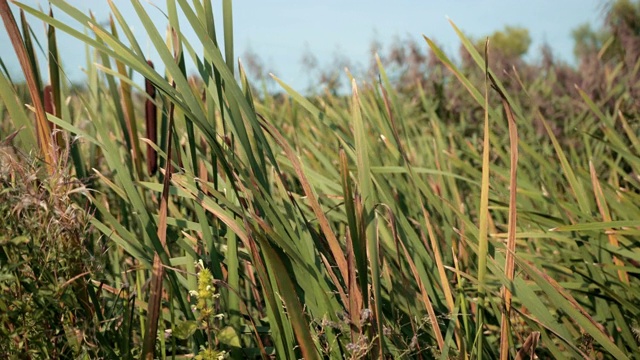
(483, 210)
(227, 16)
(575, 186)
(509, 269)
(128, 111)
(606, 217)
(355, 249)
(480, 60)
(365, 187)
(477, 95)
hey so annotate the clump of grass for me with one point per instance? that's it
(43, 262)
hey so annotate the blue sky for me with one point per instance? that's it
(280, 31)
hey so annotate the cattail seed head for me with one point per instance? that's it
(151, 119)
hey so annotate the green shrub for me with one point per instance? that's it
(44, 309)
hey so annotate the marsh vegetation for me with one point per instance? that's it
(480, 208)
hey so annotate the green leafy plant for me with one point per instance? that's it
(44, 263)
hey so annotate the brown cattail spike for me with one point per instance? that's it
(151, 117)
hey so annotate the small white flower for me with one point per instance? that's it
(193, 293)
